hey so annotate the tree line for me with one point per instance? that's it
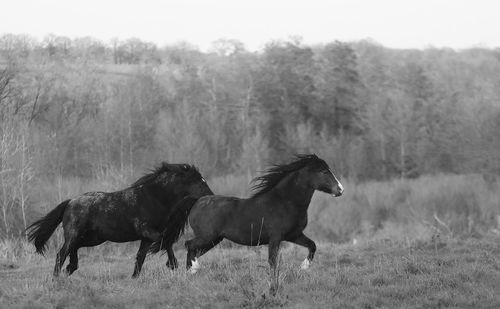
(80, 107)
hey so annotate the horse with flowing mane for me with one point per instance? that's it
(276, 212)
(139, 212)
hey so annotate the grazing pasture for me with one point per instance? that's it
(433, 273)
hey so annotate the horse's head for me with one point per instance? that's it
(322, 178)
(189, 182)
(179, 180)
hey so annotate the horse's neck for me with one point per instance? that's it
(163, 195)
(294, 189)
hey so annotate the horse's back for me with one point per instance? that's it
(99, 201)
(100, 216)
(213, 204)
(84, 203)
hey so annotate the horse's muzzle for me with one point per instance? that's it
(340, 190)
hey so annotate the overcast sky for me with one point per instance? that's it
(399, 24)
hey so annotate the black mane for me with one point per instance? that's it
(276, 173)
(165, 167)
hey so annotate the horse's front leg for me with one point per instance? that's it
(273, 250)
(172, 261)
(305, 241)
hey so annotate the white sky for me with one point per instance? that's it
(398, 24)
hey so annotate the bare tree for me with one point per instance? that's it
(8, 152)
(25, 173)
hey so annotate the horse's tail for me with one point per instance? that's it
(176, 224)
(40, 231)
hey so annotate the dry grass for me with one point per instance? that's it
(466, 205)
(374, 274)
(452, 205)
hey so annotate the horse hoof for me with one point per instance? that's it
(193, 270)
(195, 266)
(172, 265)
(273, 290)
(305, 264)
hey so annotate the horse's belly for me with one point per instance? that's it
(123, 238)
(110, 234)
(113, 228)
(247, 241)
(248, 233)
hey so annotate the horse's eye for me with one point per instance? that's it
(185, 167)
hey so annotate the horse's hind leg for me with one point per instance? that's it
(141, 255)
(172, 261)
(70, 245)
(60, 258)
(197, 247)
(73, 261)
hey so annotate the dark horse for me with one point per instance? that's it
(276, 212)
(139, 212)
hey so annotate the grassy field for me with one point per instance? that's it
(437, 273)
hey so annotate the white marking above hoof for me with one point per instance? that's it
(195, 266)
(305, 265)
